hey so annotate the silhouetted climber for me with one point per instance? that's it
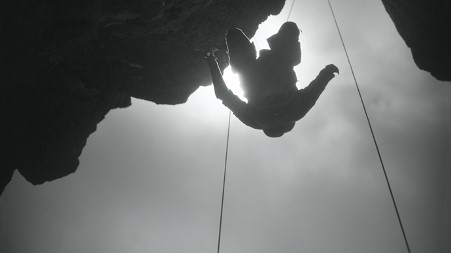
(269, 82)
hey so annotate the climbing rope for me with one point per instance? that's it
(370, 127)
(372, 132)
(291, 8)
(226, 158)
(224, 180)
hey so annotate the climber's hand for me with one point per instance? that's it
(209, 56)
(331, 69)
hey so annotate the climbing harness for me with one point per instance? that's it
(369, 124)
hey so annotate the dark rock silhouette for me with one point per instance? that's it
(425, 26)
(66, 64)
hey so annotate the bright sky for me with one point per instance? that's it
(150, 177)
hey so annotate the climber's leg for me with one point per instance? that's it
(285, 43)
(241, 51)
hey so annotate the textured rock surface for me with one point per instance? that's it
(66, 64)
(425, 26)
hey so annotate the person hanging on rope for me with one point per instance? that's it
(269, 82)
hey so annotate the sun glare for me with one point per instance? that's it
(265, 30)
(232, 81)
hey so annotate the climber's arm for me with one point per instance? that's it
(218, 82)
(321, 81)
(230, 100)
(307, 97)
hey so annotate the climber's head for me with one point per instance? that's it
(277, 131)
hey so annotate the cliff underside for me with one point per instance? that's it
(66, 64)
(425, 26)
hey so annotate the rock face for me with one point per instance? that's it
(66, 64)
(425, 26)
